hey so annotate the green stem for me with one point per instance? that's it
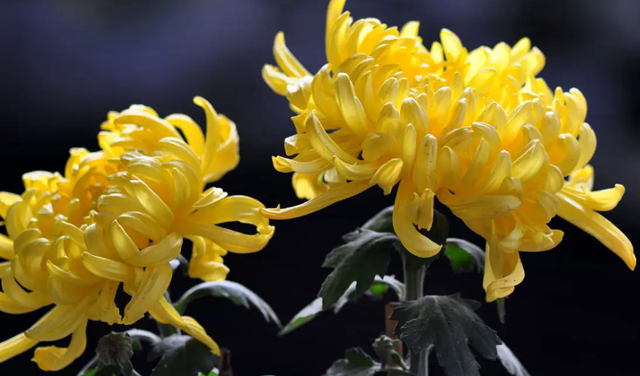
(414, 284)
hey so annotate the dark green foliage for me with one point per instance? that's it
(233, 291)
(449, 324)
(182, 355)
(464, 256)
(366, 254)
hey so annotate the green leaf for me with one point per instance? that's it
(234, 291)
(464, 256)
(510, 361)
(212, 373)
(448, 323)
(381, 222)
(366, 254)
(314, 308)
(307, 314)
(393, 283)
(182, 355)
(378, 290)
(438, 234)
(90, 373)
(356, 363)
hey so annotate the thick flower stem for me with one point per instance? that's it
(414, 283)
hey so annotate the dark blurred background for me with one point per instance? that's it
(65, 63)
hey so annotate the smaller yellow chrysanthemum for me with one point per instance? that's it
(119, 216)
(44, 250)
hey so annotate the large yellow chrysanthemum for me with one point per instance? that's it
(477, 130)
(119, 216)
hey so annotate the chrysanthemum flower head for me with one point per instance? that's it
(476, 130)
(118, 217)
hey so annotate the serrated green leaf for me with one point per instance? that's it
(438, 234)
(464, 256)
(182, 355)
(510, 362)
(234, 291)
(355, 363)
(366, 254)
(90, 373)
(448, 323)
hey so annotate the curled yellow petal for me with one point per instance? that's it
(282, 164)
(323, 144)
(424, 171)
(587, 141)
(191, 130)
(233, 241)
(52, 358)
(350, 106)
(6, 247)
(60, 321)
(530, 162)
(10, 286)
(388, 175)
(410, 29)
(599, 227)
(122, 242)
(480, 207)
(166, 250)
(6, 200)
(287, 62)
(143, 119)
(602, 200)
(15, 346)
(403, 224)
(164, 313)
(180, 150)
(232, 209)
(503, 271)
(152, 203)
(328, 198)
(153, 285)
(210, 197)
(109, 269)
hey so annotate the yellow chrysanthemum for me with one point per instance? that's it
(43, 249)
(119, 216)
(477, 130)
(157, 200)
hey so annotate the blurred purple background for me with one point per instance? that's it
(66, 63)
